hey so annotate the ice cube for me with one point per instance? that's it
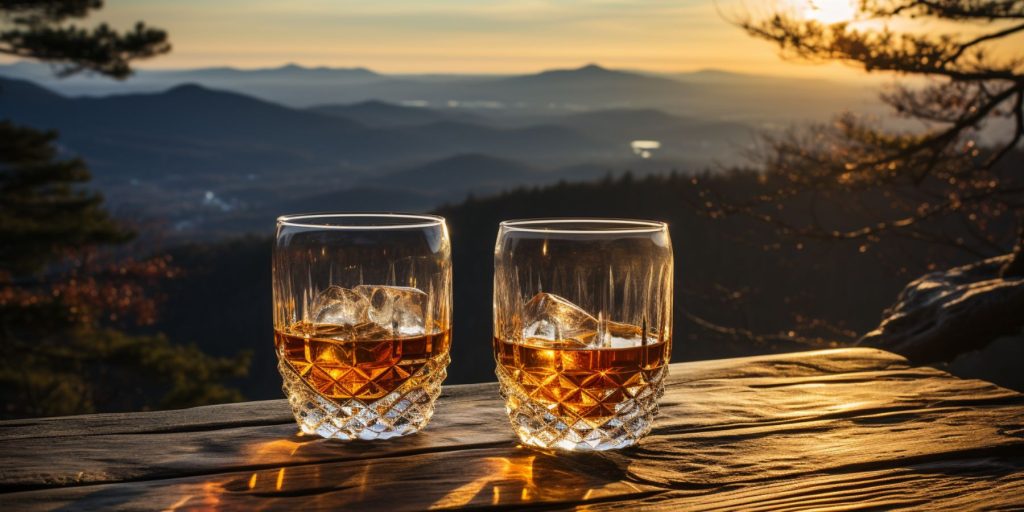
(398, 308)
(339, 306)
(333, 331)
(358, 332)
(620, 335)
(370, 331)
(549, 317)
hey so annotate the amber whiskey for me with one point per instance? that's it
(578, 383)
(357, 362)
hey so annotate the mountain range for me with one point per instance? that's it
(193, 117)
(708, 94)
(229, 146)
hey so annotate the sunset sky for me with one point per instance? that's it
(473, 36)
(465, 36)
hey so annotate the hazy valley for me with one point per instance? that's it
(221, 151)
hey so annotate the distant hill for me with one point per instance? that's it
(163, 153)
(454, 177)
(590, 75)
(290, 71)
(290, 84)
(590, 86)
(285, 72)
(187, 130)
(585, 87)
(708, 94)
(146, 134)
(381, 114)
(29, 95)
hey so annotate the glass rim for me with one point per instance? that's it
(602, 225)
(414, 220)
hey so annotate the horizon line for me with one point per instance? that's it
(142, 67)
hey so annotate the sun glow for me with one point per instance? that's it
(830, 11)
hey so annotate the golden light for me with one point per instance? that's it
(177, 504)
(830, 11)
(497, 472)
(280, 479)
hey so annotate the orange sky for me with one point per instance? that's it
(469, 36)
(451, 35)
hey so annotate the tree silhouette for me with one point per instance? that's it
(933, 174)
(942, 183)
(43, 215)
(37, 29)
(65, 297)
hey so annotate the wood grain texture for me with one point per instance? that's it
(842, 429)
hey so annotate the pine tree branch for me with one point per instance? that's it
(101, 50)
(47, 11)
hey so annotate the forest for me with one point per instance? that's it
(741, 289)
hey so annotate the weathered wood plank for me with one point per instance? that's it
(213, 417)
(823, 429)
(204, 440)
(459, 424)
(503, 476)
(962, 484)
(824, 362)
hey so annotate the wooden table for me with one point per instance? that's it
(841, 429)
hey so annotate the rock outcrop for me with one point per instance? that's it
(943, 314)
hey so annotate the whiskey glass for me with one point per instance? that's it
(582, 329)
(362, 320)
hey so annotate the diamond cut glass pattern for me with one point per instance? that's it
(582, 326)
(352, 414)
(597, 399)
(362, 314)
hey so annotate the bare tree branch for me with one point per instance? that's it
(963, 47)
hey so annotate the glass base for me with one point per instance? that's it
(550, 425)
(402, 412)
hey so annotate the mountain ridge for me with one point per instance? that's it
(193, 121)
(708, 93)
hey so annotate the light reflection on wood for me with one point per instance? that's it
(495, 470)
(276, 449)
(177, 504)
(790, 431)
